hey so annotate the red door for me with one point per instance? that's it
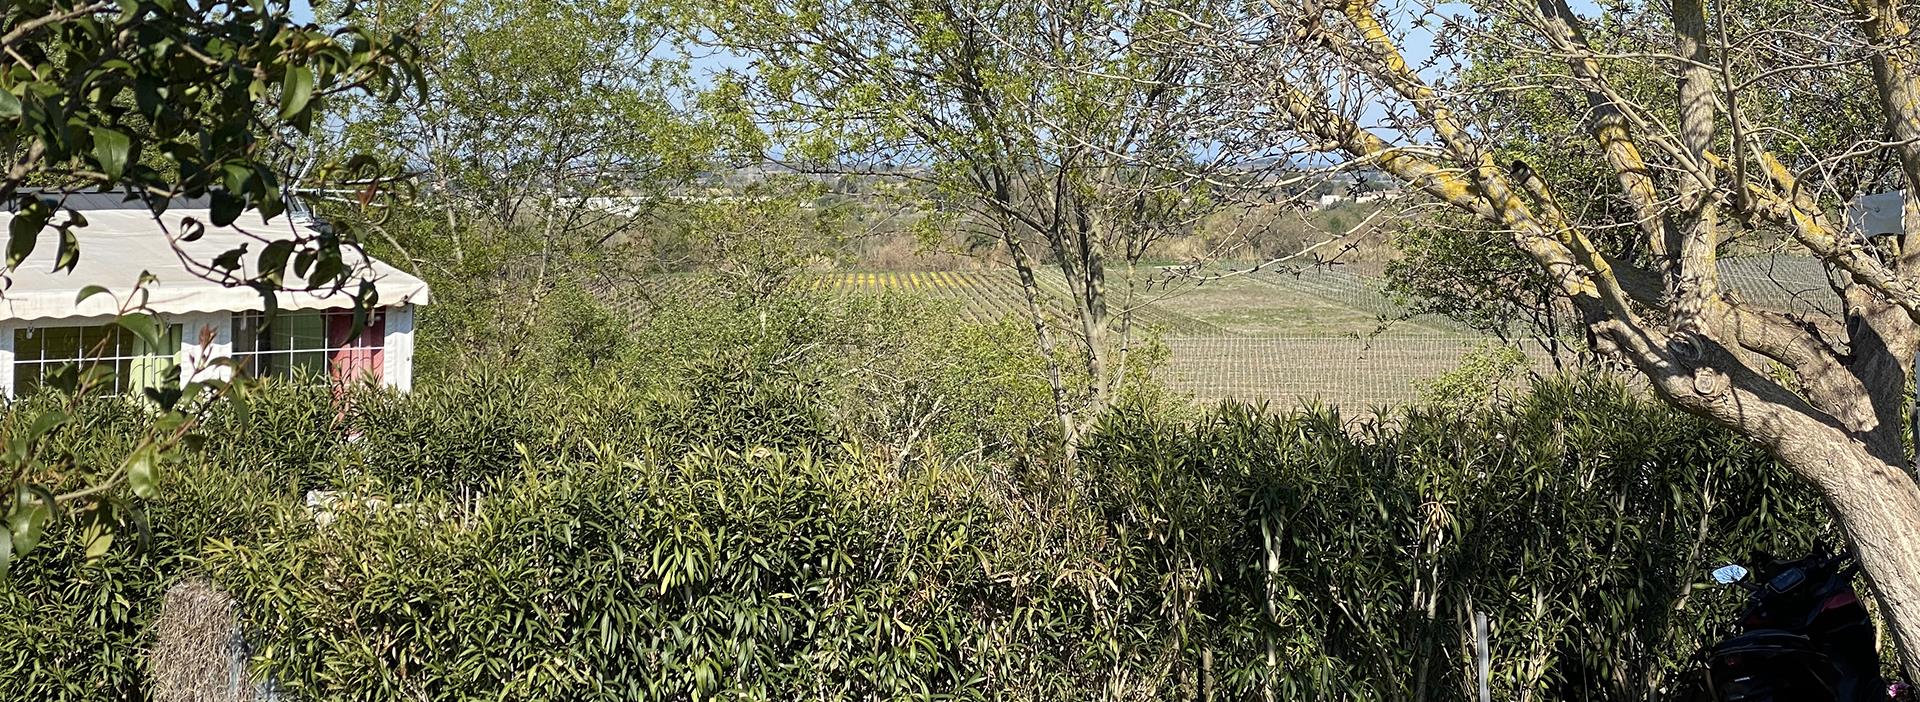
(355, 358)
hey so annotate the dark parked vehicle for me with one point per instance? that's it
(1804, 636)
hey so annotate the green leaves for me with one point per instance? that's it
(111, 148)
(33, 509)
(226, 208)
(90, 291)
(98, 538)
(273, 261)
(295, 91)
(143, 327)
(67, 255)
(142, 467)
(24, 231)
(44, 423)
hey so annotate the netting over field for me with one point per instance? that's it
(1328, 335)
(1356, 290)
(1788, 283)
(980, 296)
(1361, 292)
(1293, 370)
(986, 296)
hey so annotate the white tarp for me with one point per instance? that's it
(1874, 215)
(117, 245)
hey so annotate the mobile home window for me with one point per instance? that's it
(136, 365)
(308, 345)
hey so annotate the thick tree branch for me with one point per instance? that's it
(1787, 203)
(1562, 249)
(1699, 245)
(1893, 75)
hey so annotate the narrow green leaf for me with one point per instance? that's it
(68, 254)
(9, 105)
(90, 291)
(240, 400)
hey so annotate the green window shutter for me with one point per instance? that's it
(151, 364)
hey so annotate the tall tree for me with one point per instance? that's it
(1749, 131)
(1056, 132)
(545, 133)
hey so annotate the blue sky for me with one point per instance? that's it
(1417, 43)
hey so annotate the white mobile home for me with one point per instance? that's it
(205, 316)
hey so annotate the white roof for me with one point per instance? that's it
(118, 244)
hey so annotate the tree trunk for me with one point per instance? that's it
(1877, 505)
(1043, 335)
(1206, 673)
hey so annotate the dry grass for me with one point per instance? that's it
(197, 650)
(903, 252)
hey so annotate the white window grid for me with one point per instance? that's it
(307, 358)
(28, 372)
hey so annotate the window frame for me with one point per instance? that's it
(371, 343)
(123, 359)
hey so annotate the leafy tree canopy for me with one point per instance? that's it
(161, 99)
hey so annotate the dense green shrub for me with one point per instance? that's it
(761, 572)
(879, 368)
(452, 436)
(1577, 519)
(75, 628)
(589, 547)
(292, 434)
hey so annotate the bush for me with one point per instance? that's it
(78, 628)
(888, 370)
(1578, 519)
(729, 530)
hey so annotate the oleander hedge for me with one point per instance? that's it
(618, 545)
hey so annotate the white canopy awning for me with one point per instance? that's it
(116, 246)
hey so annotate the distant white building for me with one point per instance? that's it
(43, 324)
